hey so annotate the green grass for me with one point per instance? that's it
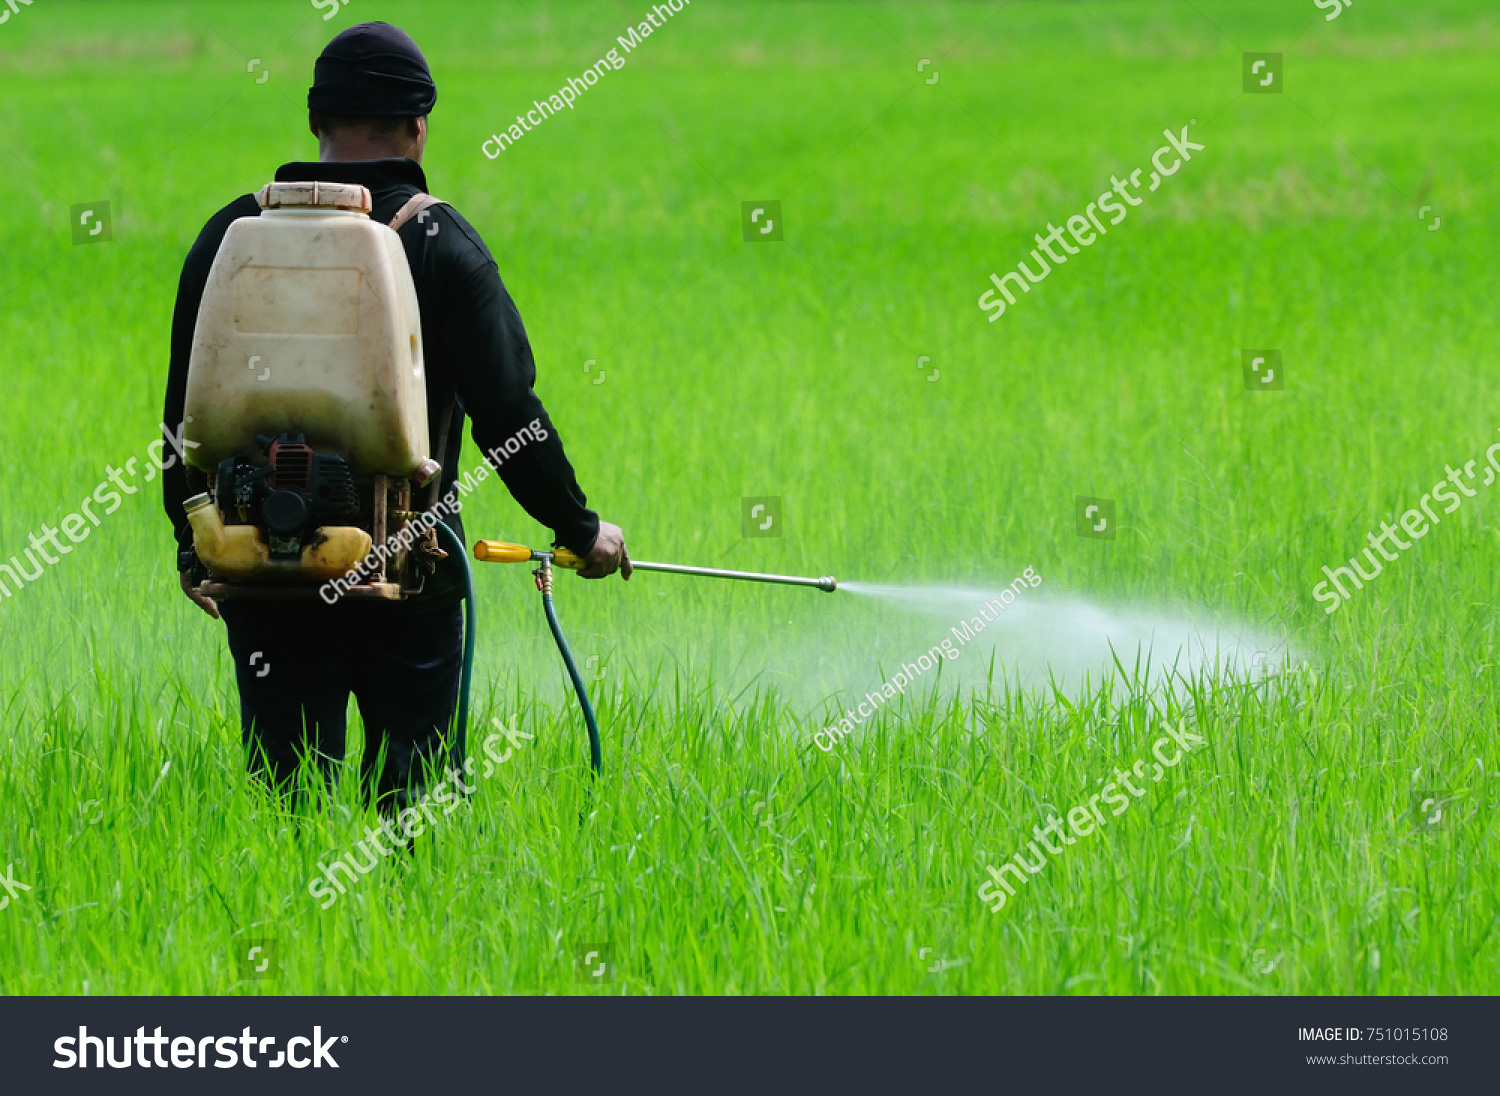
(723, 852)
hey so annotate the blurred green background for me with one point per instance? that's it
(791, 369)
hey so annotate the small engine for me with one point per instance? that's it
(293, 493)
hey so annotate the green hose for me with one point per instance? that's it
(583, 696)
(456, 547)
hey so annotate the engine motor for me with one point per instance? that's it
(296, 491)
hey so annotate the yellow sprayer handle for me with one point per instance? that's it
(500, 551)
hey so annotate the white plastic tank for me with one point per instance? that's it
(309, 324)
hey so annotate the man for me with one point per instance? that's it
(296, 662)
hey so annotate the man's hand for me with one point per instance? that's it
(204, 603)
(608, 554)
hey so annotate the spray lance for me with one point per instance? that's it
(499, 551)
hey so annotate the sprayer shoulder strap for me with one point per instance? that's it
(414, 205)
(444, 432)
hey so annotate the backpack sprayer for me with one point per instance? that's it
(308, 395)
(307, 391)
(500, 551)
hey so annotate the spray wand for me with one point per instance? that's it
(500, 551)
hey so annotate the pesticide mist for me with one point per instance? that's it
(821, 652)
(1037, 639)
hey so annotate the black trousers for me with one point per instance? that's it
(296, 664)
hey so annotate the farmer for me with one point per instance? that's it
(296, 662)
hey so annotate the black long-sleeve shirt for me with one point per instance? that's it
(477, 359)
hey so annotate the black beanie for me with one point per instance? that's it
(373, 70)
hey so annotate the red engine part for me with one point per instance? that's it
(293, 461)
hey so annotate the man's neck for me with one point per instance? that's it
(342, 151)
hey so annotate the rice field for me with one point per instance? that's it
(1331, 830)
